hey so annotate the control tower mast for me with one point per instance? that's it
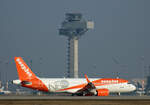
(74, 27)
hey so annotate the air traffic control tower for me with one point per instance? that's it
(73, 28)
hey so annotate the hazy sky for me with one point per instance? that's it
(120, 41)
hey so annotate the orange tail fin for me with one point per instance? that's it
(24, 72)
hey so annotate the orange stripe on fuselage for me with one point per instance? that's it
(99, 82)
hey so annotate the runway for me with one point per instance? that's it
(29, 97)
(73, 100)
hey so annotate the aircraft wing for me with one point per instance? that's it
(90, 90)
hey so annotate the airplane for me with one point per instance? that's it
(2, 91)
(75, 86)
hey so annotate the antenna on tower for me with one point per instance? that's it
(74, 27)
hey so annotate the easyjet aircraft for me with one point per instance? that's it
(75, 86)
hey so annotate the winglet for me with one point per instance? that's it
(87, 78)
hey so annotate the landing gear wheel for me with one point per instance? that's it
(118, 94)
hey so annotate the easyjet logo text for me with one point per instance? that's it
(24, 68)
(109, 81)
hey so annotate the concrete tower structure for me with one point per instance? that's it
(74, 27)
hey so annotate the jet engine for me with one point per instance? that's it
(102, 92)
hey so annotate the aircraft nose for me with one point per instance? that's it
(133, 88)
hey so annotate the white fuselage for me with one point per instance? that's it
(55, 84)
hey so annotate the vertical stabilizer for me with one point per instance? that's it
(24, 72)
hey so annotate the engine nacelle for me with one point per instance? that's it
(102, 92)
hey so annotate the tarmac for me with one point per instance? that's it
(74, 100)
(46, 97)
